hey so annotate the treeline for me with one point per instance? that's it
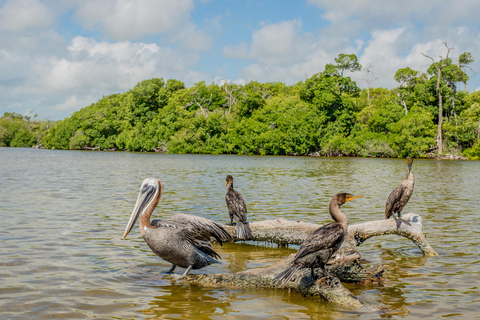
(17, 130)
(327, 114)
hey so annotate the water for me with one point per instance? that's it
(63, 214)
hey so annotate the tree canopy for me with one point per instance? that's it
(327, 114)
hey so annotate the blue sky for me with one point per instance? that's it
(57, 57)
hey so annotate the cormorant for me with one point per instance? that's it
(238, 210)
(319, 246)
(185, 241)
(401, 194)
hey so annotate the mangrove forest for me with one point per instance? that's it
(429, 114)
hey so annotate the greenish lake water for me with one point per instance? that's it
(63, 214)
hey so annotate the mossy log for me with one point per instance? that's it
(344, 266)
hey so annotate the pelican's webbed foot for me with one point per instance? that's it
(171, 269)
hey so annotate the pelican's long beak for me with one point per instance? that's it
(144, 197)
(353, 197)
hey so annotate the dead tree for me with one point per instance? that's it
(439, 66)
(203, 103)
(231, 99)
(369, 80)
(344, 266)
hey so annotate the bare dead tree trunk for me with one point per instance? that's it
(478, 133)
(201, 103)
(231, 99)
(401, 96)
(440, 98)
(369, 81)
(343, 266)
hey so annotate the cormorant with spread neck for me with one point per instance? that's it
(319, 246)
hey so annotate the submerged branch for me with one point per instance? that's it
(328, 288)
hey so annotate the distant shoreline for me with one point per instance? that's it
(315, 154)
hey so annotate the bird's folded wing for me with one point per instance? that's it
(204, 226)
(321, 239)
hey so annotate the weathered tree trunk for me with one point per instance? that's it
(343, 266)
(441, 64)
(283, 232)
(328, 288)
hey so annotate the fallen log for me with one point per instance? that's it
(344, 266)
(328, 288)
(284, 232)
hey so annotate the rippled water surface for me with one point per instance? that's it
(63, 214)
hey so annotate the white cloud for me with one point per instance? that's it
(134, 19)
(192, 38)
(72, 103)
(386, 35)
(279, 43)
(240, 51)
(21, 15)
(89, 70)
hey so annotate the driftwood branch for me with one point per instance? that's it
(344, 266)
(284, 232)
(328, 288)
(409, 226)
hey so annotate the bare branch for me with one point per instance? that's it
(231, 99)
(203, 100)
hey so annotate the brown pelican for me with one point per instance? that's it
(401, 194)
(319, 246)
(238, 210)
(185, 241)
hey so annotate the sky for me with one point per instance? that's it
(57, 57)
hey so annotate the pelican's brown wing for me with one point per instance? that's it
(323, 238)
(236, 206)
(205, 228)
(191, 234)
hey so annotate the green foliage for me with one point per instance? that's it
(21, 131)
(473, 153)
(326, 114)
(413, 134)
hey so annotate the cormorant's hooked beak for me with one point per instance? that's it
(145, 196)
(226, 184)
(350, 197)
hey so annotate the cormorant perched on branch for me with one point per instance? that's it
(237, 210)
(319, 246)
(401, 194)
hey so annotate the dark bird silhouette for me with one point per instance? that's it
(319, 246)
(401, 194)
(237, 210)
(184, 241)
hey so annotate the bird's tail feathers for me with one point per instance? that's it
(243, 232)
(286, 275)
(207, 248)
